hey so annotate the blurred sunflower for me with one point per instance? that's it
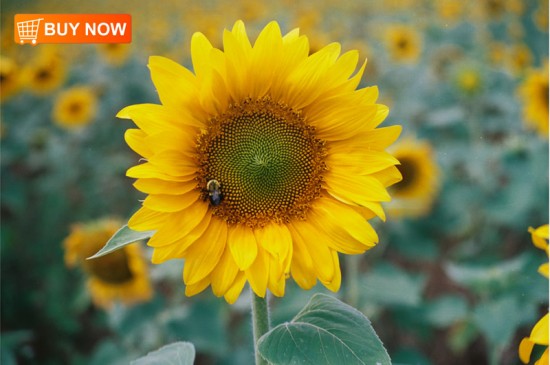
(539, 333)
(534, 96)
(114, 54)
(264, 163)
(404, 43)
(46, 72)
(9, 77)
(468, 79)
(540, 16)
(118, 276)
(449, 10)
(75, 107)
(414, 195)
(519, 58)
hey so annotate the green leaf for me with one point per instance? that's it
(389, 285)
(121, 238)
(326, 331)
(177, 353)
(446, 310)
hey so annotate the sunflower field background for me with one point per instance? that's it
(454, 279)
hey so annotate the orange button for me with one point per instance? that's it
(72, 28)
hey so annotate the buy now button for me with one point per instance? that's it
(72, 28)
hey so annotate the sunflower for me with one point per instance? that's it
(534, 95)
(114, 54)
(119, 276)
(404, 43)
(75, 107)
(46, 73)
(539, 333)
(9, 77)
(414, 195)
(264, 163)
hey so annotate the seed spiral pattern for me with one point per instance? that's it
(267, 160)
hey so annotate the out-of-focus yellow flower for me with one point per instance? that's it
(10, 77)
(404, 43)
(468, 80)
(449, 10)
(534, 96)
(540, 16)
(520, 58)
(45, 73)
(114, 54)
(414, 195)
(75, 107)
(539, 333)
(119, 276)
(497, 53)
(266, 170)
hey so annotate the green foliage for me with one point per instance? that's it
(178, 353)
(124, 236)
(457, 286)
(326, 331)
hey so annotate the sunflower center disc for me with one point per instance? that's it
(408, 170)
(267, 160)
(112, 268)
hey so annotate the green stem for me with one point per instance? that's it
(260, 322)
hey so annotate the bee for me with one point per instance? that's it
(215, 195)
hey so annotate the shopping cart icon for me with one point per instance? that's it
(28, 30)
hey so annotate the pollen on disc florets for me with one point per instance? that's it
(267, 160)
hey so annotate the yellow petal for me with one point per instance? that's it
(356, 189)
(276, 239)
(543, 359)
(174, 163)
(224, 274)
(180, 224)
(194, 289)
(388, 176)
(177, 249)
(205, 253)
(200, 54)
(525, 349)
(361, 162)
(265, 59)
(540, 237)
(174, 83)
(170, 203)
(335, 283)
(377, 139)
(154, 118)
(354, 236)
(301, 268)
(539, 333)
(305, 83)
(277, 277)
(317, 248)
(235, 290)
(158, 186)
(149, 171)
(146, 219)
(135, 139)
(242, 244)
(543, 269)
(257, 274)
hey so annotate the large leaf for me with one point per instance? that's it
(326, 331)
(177, 353)
(124, 236)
